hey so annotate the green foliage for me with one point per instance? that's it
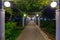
(49, 26)
(30, 5)
(12, 31)
(9, 10)
(10, 24)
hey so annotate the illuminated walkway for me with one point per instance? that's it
(31, 32)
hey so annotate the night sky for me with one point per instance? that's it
(0, 4)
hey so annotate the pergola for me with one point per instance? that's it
(2, 21)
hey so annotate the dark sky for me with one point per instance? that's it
(49, 12)
(0, 4)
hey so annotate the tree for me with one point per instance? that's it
(31, 5)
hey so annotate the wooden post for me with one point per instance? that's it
(58, 24)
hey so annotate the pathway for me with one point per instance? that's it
(31, 32)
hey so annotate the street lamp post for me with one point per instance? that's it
(23, 19)
(35, 19)
(23, 22)
(54, 4)
(58, 24)
(2, 24)
(2, 20)
(38, 20)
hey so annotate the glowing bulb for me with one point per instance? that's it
(24, 15)
(53, 4)
(37, 15)
(7, 4)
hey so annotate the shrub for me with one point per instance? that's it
(12, 30)
(49, 26)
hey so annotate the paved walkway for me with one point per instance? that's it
(31, 32)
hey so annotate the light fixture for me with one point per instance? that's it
(7, 4)
(53, 4)
(37, 15)
(24, 15)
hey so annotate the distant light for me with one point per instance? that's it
(37, 15)
(24, 15)
(7, 4)
(53, 4)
